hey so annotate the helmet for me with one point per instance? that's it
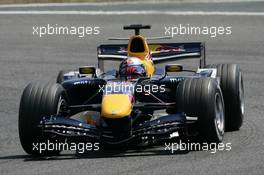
(132, 68)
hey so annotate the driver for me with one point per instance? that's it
(132, 69)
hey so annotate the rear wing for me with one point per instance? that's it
(160, 52)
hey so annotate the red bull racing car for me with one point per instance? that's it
(137, 103)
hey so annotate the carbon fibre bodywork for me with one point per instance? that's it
(142, 126)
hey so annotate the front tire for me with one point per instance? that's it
(37, 101)
(231, 83)
(202, 98)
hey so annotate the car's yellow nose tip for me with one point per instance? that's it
(116, 106)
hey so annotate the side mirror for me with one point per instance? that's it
(173, 68)
(87, 70)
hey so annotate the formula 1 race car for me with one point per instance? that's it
(137, 104)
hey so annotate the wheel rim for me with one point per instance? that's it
(219, 117)
(241, 95)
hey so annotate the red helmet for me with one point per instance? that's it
(132, 68)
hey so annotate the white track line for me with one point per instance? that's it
(183, 13)
(116, 3)
(82, 4)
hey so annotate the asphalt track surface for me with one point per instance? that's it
(24, 58)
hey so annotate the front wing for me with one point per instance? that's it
(163, 128)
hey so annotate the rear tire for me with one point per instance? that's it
(202, 98)
(37, 101)
(231, 83)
